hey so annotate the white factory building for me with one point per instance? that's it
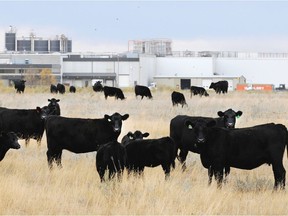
(151, 62)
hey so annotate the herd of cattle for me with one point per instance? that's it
(142, 91)
(220, 145)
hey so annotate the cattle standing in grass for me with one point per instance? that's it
(19, 85)
(26, 123)
(219, 87)
(60, 88)
(113, 92)
(185, 139)
(54, 107)
(111, 156)
(80, 135)
(143, 91)
(195, 90)
(178, 98)
(97, 87)
(72, 89)
(151, 153)
(137, 135)
(53, 89)
(7, 141)
(244, 148)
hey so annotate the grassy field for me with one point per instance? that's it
(28, 187)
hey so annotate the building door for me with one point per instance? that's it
(185, 83)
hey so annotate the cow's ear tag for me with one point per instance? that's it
(190, 127)
(237, 116)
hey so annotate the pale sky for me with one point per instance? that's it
(107, 26)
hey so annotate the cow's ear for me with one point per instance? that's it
(107, 117)
(146, 134)
(124, 117)
(189, 124)
(49, 100)
(211, 123)
(238, 114)
(130, 135)
(57, 100)
(220, 114)
(38, 109)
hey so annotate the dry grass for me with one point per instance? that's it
(28, 187)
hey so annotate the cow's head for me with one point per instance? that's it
(116, 120)
(7, 141)
(212, 85)
(54, 108)
(229, 117)
(43, 112)
(206, 94)
(137, 135)
(200, 128)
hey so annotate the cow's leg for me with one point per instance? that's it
(218, 172)
(226, 173)
(166, 167)
(50, 159)
(111, 173)
(101, 172)
(279, 175)
(142, 97)
(182, 158)
(210, 175)
(39, 141)
(27, 141)
(58, 157)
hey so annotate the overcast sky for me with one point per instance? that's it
(107, 26)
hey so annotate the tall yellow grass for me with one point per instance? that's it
(28, 187)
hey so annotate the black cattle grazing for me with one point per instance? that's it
(195, 90)
(7, 141)
(137, 135)
(97, 87)
(113, 92)
(244, 148)
(185, 139)
(54, 107)
(220, 86)
(143, 91)
(72, 89)
(53, 89)
(19, 85)
(178, 98)
(151, 153)
(111, 156)
(26, 123)
(60, 88)
(80, 135)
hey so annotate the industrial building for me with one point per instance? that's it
(155, 63)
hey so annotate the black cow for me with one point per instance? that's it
(219, 87)
(185, 139)
(80, 135)
(60, 88)
(7, 141)
(137, 135)
(113, 92)
(244, 148)
(111, 156)
(72, 89)
(53, 89)
(26, 123)
(143, 91)
(151, 153)
(97, 87)
(19, 85)
(178, 98)
(54, 107)
(195, 90)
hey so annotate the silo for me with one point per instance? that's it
(10, 41)
(23, 45)
(69, 46)
(54, 45)
(41, 45)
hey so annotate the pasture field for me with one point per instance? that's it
(27, 187)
